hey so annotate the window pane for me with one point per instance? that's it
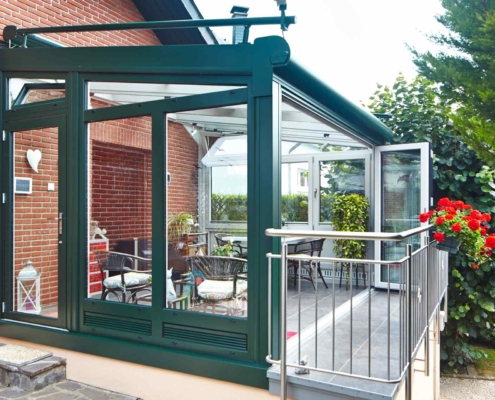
(401, 196)
(36, 231)
(295, 192)
(229, 193)
(339, 176)
(207, 211)
(119, 214)
(28, 91)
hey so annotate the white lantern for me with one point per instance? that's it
(28, 290)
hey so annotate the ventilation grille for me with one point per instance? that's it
(131, 325)
(207, 337)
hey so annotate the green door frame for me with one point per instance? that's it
(10, 127)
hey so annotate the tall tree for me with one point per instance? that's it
(465, 69)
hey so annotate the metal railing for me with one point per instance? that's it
(421, 279)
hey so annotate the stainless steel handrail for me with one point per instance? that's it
(391, 236)
(413, 279)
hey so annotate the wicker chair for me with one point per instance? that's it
(133, 274)
(219, 279)
(311, 248)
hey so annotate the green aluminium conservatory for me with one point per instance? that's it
(138, 182)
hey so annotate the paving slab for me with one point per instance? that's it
(65, 390)
(463, 389)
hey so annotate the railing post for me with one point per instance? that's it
(283, 321)
(409, 324)
(427, 296)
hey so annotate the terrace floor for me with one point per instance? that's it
(337, 357)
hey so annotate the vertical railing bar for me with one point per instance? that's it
(369, 323)
(316, 313)
(283, 321)
(270, 306)
(400, 320)
(333, 317)
(350, 285)
(299, 314)
(409, 328)
(388, 324)
(427, 306)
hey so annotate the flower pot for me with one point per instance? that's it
(450, 245)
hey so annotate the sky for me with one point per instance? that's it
(351, 44)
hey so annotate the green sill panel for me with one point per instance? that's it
(216, 347)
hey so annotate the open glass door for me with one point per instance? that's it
(37, 269)
(402, 192)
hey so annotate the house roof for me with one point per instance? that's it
(169, 10)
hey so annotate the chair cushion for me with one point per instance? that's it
(220, 290)
(131, 279)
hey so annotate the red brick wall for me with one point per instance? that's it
(110, 167)
(121, 190)
(36, 13)
(182, 165)
(35, 229)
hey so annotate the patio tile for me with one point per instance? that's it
(69, 385)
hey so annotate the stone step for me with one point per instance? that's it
(29, 369)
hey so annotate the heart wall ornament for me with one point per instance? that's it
(34, 158)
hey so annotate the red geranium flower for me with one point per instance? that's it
(474, 225)
(487, 217)
(444, 202)
(490, 242)
(475, 266)
(466, 218)
(458, 204)
(449, 217)
(424, 217)
(483, 230)
(475, 214)
(467, 207)
(440, 220)
(451, 210)
(440, 237)
(457, 227)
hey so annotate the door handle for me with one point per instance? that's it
(60, 219)
(315, 192)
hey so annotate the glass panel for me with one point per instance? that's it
(36, 191)
(303, 132)
(229, 193)
(339, 176)
(207, 211)
(401, 196)
(27, 91)
(295, 192)
(108, 94)
(119, 210)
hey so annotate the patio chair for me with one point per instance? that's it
(130, 278)
(236, 245)
(217, 280)
(311, 248)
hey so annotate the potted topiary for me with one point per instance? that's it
(349, 212)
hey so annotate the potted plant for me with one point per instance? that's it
(179, 225)
(458, 226)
